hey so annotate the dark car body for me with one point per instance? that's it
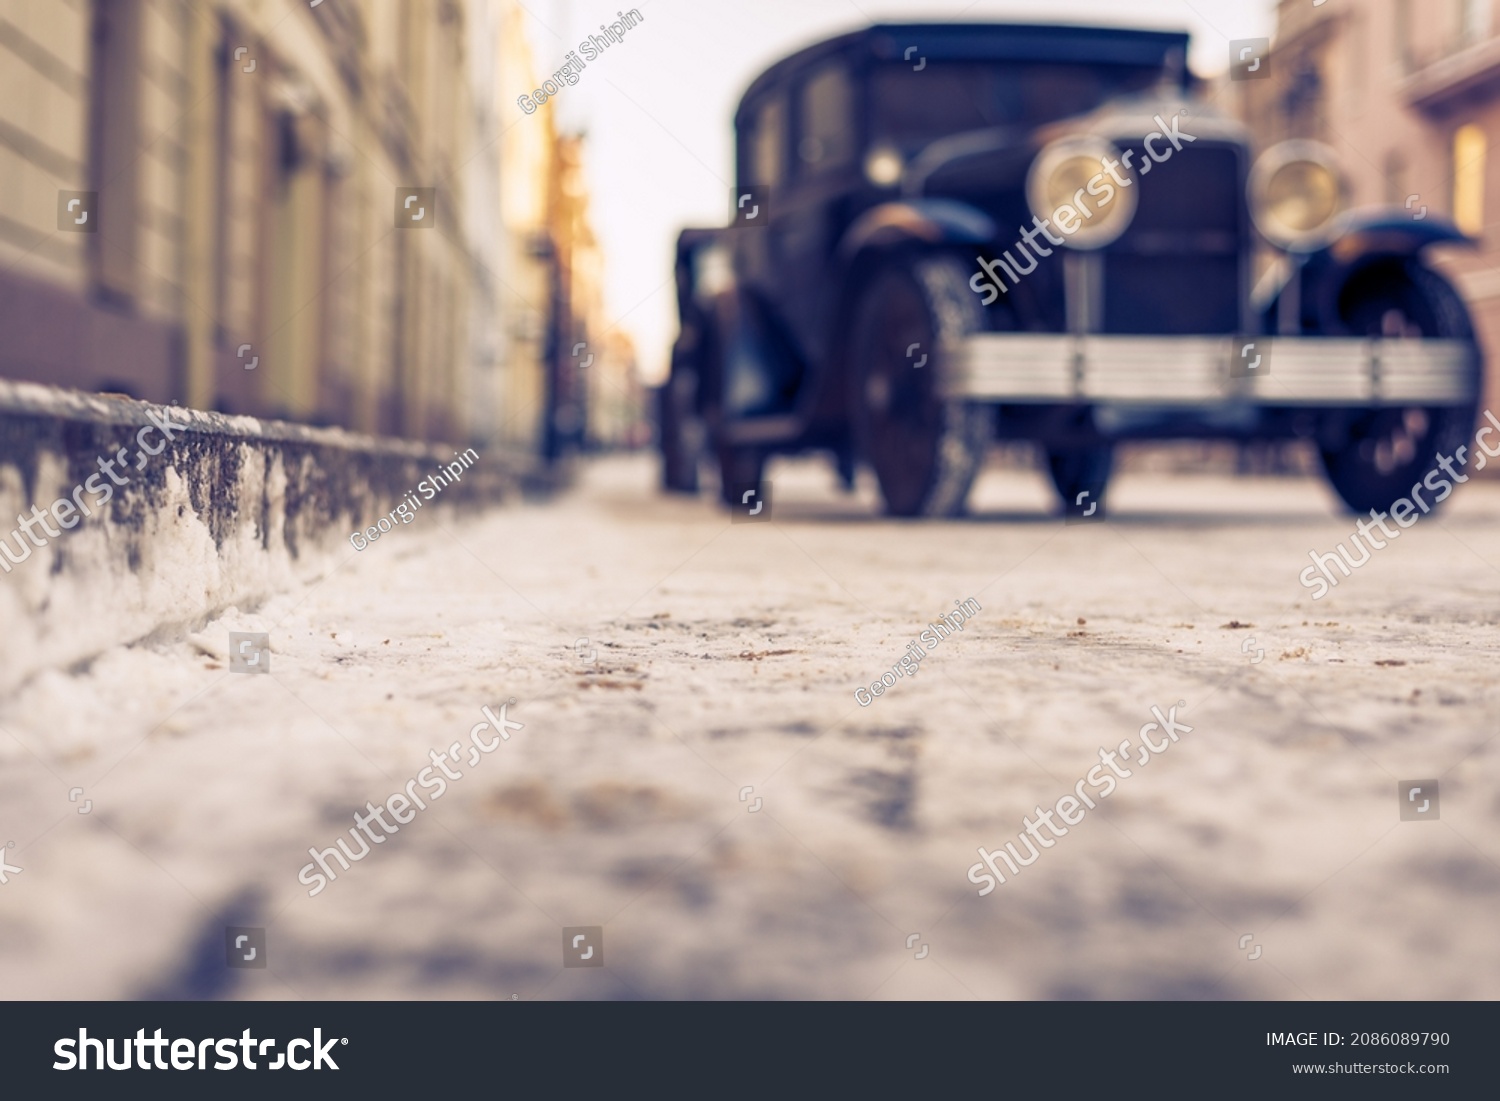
(877, 170)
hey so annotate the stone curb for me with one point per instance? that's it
(230, 511)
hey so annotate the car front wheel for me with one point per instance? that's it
(1386, 452)
(742, 472)
(1080, 475)
(925, 449)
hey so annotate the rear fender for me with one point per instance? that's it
(761, 373)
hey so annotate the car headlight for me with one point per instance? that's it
(1296, 192)
(883, 166)
(1070, 185)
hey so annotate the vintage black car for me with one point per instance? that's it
(948, 234)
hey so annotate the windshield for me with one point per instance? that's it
(910, 107)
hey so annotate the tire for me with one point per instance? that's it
(740, 469)
(678, 436)
(925, 450)
(1388, 451)
(1077, 471)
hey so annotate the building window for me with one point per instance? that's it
(1302, 101)
(1357, 56)
(114, 154)
(1469, 148)
(1395, 178)
(1401, 34)
(223, 165)
(1474, 21)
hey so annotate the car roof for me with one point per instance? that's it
(1044, 42)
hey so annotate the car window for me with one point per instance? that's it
(825, 113)
(911, 107)
(764, 144)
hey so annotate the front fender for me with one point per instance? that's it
(1387, 231)
(927, 223)
(1360, 238)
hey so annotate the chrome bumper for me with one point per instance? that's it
(1190, 370)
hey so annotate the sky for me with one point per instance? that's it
(658, 107)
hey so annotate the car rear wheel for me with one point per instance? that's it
(1080, 475)
(1388, 451)
(925, 449)
(679, 435)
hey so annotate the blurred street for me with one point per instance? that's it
(663, 660)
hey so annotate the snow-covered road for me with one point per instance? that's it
(695, 775)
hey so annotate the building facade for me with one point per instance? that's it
(266, 207)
